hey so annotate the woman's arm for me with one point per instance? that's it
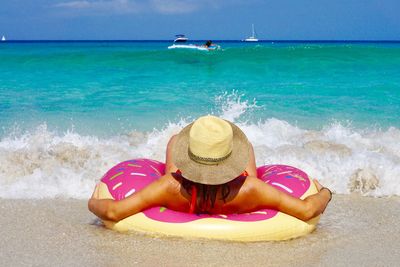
(251, 168)
(155, 194)
(169, 165)
(269, 197)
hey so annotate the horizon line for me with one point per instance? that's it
(195, 40)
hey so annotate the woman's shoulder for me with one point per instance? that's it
(173, 194)
(250, 184)
(241, 197)
(169, 165)
(250, 189)
(172, 140)
(171, 183)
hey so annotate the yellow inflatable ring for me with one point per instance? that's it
(130, 176)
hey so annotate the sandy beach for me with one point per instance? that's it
(354, 231)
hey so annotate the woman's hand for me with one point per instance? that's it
(95, 194)
(157, 193)
(318, 185)
(100, 207)
(327, 194)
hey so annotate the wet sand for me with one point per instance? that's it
(354, 231)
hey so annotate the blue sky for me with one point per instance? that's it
(201, 19)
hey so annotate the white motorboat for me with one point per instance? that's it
(180, 38)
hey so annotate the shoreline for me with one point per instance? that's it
(355, 230)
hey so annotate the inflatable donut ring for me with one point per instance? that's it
(130, 176)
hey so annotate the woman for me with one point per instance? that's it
(210, 168)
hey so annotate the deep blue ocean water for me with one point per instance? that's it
(330, 108)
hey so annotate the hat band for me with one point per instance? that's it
(203, 160)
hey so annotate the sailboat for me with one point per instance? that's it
(253, 37)
(3, 39)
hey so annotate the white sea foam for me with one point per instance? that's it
(233, 106)
(44, 164)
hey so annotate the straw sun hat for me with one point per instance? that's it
(211, 151)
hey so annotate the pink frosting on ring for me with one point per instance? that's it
(130, 176)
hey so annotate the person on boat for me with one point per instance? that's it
(210, 168)
(208, 43)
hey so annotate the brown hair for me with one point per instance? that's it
(206, 194)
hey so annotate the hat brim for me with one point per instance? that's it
(220, 173)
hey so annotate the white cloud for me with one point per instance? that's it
(103, 6)
(167, 7)
(74, 4)
(175, 6)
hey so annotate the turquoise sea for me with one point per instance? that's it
(71, 110)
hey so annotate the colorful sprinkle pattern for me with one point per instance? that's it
(130, 176)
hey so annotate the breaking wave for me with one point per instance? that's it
(41, 163)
